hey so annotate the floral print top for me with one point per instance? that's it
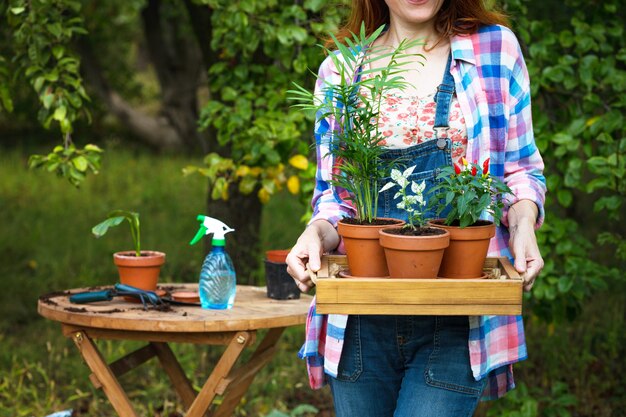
(407, 120)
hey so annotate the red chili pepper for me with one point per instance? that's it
(486, 167)
(457, 169)
(474, 170)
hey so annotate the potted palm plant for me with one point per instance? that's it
(468, 192)
(355, 144)
(138, 268)
(413, 250)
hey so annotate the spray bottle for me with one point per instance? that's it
(217, 278)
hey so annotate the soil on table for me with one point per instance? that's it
(374, 222)
(419, 231)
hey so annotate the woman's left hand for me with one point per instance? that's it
(523, 242)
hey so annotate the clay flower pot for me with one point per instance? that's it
(139, 271)
(414, 256)
(366, 258)
(465, 256)
(277, 255)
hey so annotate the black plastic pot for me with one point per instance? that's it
(280, 285)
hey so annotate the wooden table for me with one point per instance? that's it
(236, 328)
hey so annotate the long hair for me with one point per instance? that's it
(456, 17)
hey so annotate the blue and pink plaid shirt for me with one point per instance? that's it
(493, 90)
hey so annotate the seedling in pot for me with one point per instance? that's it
(115, 218)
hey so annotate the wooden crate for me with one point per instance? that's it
(498, 294)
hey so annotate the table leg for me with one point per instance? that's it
(238, 382)
(110, 386)
(221, 370)
(175, 372)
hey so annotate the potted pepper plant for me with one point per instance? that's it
(413, 250)
(138, 268)
(354, 141)
(468, 192)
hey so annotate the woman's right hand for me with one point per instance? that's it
(318, 237)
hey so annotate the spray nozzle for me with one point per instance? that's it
(210, 225)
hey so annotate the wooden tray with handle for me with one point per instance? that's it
(499, 293)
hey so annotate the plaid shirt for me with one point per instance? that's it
(493, 90)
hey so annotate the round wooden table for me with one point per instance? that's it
(122, 320)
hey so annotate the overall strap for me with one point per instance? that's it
(443, 97)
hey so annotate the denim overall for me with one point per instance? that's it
(409, 366)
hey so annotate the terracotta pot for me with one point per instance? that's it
(465, 256)
(413, 256)
(277, 255)
(139, 271)
(366, 258)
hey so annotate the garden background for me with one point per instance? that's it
(187, 98)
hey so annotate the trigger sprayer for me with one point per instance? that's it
(218, 284)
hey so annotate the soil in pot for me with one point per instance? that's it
(414, 253)
(466, 255)
(366, 258)
(280, 285)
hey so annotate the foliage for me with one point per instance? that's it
(354, 103)
(41, 34)
(116, 217)
(575, 60)
(69, 162)
(469, 194)
(270, 44)
(408, 201)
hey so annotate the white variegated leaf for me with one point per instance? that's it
(396, 175)
(408, 171)
(386, 187)
(398, 194)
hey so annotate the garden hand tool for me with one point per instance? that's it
(124, 290)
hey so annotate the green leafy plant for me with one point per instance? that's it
(468, 193)
(354, 104)
(116, 217)
(410, 203)
(69, 162)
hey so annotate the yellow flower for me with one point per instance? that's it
(299, 162)
(293, 184)
(263, 195)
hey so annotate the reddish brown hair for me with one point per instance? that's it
(456, 17)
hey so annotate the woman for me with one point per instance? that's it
(422, 365)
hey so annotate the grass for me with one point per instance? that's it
(575, 369)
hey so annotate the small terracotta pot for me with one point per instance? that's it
(277, 255)
(366, 258)
(465, 257)
(413, 256)
(139, 271)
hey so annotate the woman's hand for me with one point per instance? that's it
(318, 237)
(523, 242)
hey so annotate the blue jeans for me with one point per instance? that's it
(406, 366)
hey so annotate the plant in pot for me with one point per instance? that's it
(467, 192)
(413, 250)
(355, 142)
(279, 284)
(138, 268)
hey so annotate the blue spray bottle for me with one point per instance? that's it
(217, 284)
